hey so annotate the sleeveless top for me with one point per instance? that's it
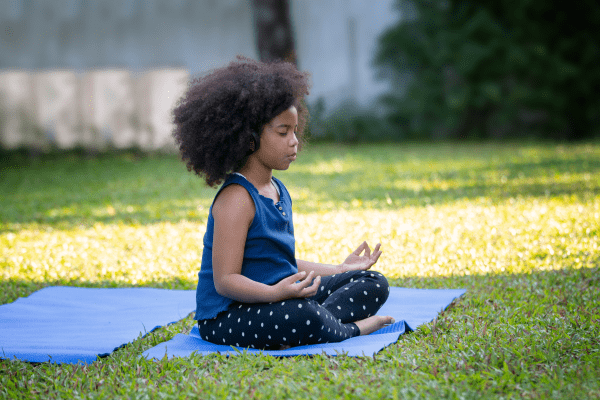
(269, 253)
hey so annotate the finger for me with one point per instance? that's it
(311, 293)
(360, 248)
(377, 248)
(305, 282)
(367, 250)
(315, 284)
(375, 256)
(290, 280)
(372, 260)
(297, 276)
(312, 289)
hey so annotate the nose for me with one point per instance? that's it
(294, 142)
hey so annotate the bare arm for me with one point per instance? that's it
(355, 261)
(318, 268)
(233, 212)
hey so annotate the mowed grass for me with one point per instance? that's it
(516, 225)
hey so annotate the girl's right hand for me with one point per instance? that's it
(297, 286)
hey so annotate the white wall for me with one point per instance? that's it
(96, 110)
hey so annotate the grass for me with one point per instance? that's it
(516, 225)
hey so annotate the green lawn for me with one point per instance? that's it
(516, 225)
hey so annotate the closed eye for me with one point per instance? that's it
(286, 132)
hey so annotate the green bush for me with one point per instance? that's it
(493, 69)
(349, 123)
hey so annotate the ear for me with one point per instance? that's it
(255, 142)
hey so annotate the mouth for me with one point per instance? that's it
(292, 156)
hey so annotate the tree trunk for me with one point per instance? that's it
(273, 29)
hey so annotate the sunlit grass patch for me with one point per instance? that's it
(121, 254)
(461, 238)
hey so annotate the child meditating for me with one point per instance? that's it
(235, 126)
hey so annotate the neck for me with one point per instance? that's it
(256, 173)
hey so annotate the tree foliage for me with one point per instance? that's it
(494, 68)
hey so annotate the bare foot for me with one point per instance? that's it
(371, 324)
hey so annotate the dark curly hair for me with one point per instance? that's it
(217, 116)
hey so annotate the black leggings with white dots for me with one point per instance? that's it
(328, 316)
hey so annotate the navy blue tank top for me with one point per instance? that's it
(269, 253)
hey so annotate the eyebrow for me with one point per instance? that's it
(284, 126)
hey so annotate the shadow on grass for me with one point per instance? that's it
(584, 277)
(418, 187)
(72, 192)
(77, 191)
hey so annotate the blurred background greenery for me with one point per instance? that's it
(494, 69)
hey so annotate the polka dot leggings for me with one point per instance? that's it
(328, 316)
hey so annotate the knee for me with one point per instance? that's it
(379, 284)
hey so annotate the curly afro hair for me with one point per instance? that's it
(216, 118)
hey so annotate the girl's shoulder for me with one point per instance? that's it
(235, 183)
(234, 202)
(235, 187)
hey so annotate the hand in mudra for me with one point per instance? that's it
(299, 285)
(358, 262)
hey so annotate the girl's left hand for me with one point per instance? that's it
(356, 262)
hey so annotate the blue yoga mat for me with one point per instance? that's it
(409, 307)
(75, 325)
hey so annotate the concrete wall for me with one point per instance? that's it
(336, 41)
(132, 34)
(97, 110)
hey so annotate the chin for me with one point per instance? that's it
(282, 167)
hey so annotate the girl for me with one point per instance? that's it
(238, 124)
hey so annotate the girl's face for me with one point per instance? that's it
(278, 142)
